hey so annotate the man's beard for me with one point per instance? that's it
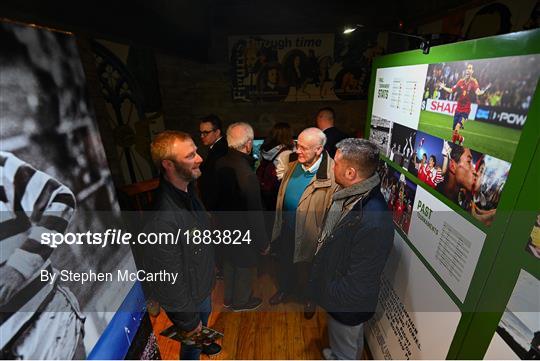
(184, 173)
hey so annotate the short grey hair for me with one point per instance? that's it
(316, 133)
(237, 140)
(362, 154)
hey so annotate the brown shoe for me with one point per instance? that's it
(277, 298)
(309, 310)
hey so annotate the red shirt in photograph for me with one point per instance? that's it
(466, 92)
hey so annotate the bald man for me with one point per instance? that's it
(325, 122)
(239, 207)
(304, 195)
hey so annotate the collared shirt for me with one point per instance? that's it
(314, 167)
(186, 200)
(217, 140)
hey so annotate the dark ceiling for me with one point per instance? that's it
(190, 28)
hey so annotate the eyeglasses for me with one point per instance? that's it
(304, 148)
(204, 133)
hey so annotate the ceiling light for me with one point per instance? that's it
(350, 29)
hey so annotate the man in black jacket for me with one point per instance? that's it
(212, 137)
(210, 131)
(352, 250)
(239, 207)
(176, 210)
(325, 122)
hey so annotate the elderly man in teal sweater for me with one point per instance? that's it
(304, 195)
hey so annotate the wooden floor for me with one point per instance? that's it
(271, 332)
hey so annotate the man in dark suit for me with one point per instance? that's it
(239, 207)
(211, 136)
(352, 250)
(325, 122)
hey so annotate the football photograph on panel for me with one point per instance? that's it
(481, 104)
(401, 145)
(381, 133)
(399, 192)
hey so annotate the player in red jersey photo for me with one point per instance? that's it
(468, 88)
(433, 173)
(422, 174)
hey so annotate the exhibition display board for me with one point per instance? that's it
(459, 130)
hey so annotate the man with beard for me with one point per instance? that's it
(467, 89)
(187, 302)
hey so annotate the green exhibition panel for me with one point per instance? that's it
(459, 133)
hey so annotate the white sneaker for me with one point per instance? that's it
(328, 354)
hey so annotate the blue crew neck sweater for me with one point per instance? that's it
(295, 188)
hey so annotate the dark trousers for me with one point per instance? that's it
(286, 273)
(238, 283)
(292, 277)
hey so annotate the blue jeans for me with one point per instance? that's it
(194, 353)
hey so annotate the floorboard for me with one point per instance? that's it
(271, 332)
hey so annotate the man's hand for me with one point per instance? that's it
(10, 280)
(443, 86)
(195, 331)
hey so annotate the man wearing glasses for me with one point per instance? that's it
(211, 136)
(304, 196)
